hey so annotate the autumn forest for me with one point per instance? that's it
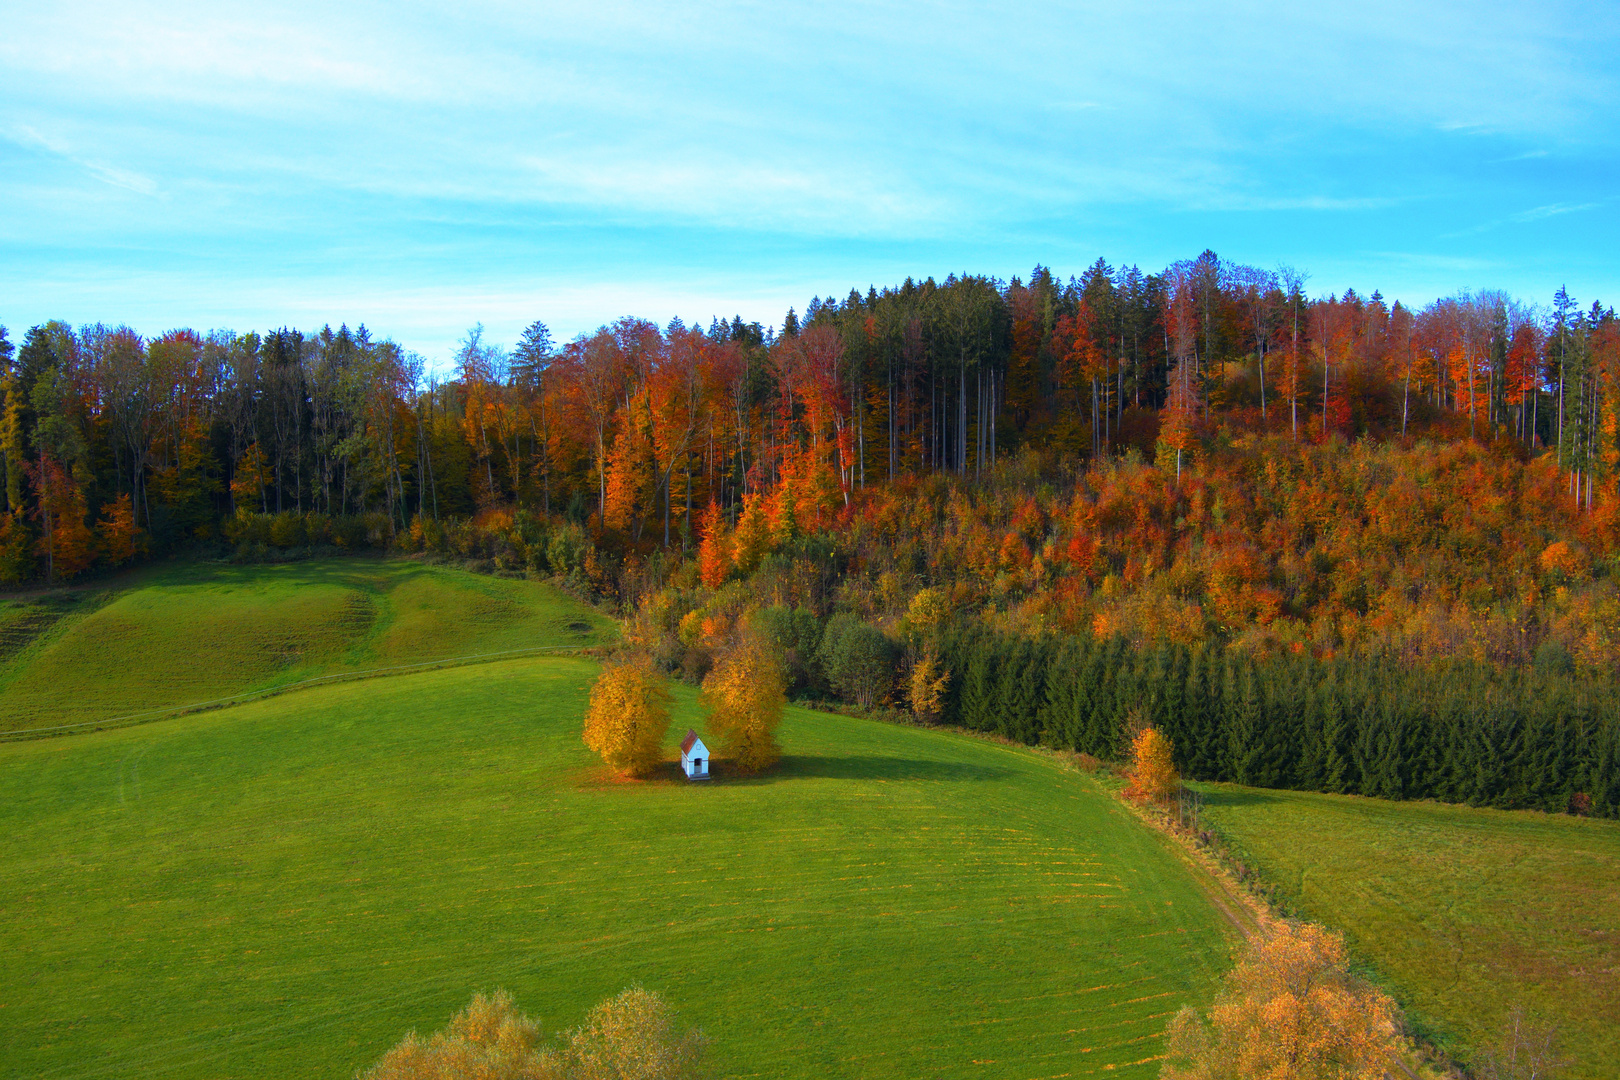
(1326, 542)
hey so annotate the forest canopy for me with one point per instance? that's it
(1250, 491)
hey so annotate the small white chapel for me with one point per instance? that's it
(694, 757)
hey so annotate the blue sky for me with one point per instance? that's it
(245, 166)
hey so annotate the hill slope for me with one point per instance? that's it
(1463, 911)
(283, 888)
(189, 633)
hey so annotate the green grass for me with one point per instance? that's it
(283, 888)
(194, 632)
(1462, 912)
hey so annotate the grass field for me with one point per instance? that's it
(283, 888)
(186, 633)
(1461, 911)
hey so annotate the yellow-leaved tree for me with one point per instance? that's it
(1153, 776)
(1289, 1010)
(628, 716)
(744, 696)
(929, 681)
(628, 1037)
(632, 1037)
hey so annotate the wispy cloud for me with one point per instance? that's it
(1524, 217)
(498, 155)
(108, 174)
(1552, 210)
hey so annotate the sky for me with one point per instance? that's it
(423, 167)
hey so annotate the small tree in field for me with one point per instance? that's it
(1153, 776)
(489, 1038)
(628, 1037)
(628, 716)
(744, 696)
(1289, 1010)
(632, 1037)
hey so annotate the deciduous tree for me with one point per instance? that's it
(1289, 1010)
(744, 696)
(628, 716)
(1153, 775)
(927, 686)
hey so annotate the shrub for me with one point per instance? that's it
(629, 1037)
(859, 660)
(17, 563)
(929, 681)
(796, 633)
(1289, 1010)
(488, 1039)
(287, 529)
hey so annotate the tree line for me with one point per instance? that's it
(111, 442)
(1481, 735)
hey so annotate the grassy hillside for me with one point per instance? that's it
(1462, 911)
(189, 633)
(283, 888)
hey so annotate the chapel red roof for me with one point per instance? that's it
(688, 742)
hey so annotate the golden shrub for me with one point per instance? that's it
(1289, 1010)
(928, 609)
(628, 1037)
(489, 1040)
(628, 716)
(1153, 775)
(632, 1037)
(744, 696)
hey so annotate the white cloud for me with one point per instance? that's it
(107, 174)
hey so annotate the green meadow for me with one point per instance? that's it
(187, 633)
(283, 888)
(1462, 912)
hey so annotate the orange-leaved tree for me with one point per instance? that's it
(714, 550)
(117, 531)
(1153, 776)
(1289, 1010)
(628, 716)
(744, 696)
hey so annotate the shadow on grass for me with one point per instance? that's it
(865, 767)
(800, 767)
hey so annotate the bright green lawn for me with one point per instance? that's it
(1461, 911)
(188, 633)
(283, 888)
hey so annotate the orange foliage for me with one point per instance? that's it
(1289, 1010)
(1153, 776)
(65, 542)
(117, 531)
(714, 549)
(628, 716)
